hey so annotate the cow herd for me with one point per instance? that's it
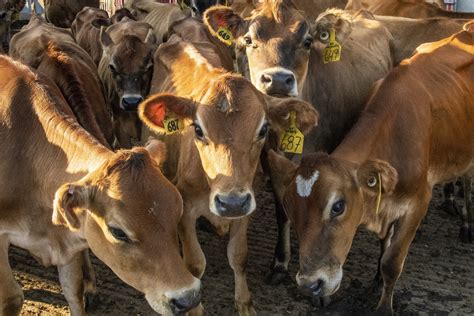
(378, 97)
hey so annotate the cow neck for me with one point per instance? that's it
(82, 151)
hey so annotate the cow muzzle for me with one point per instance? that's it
(278, 81)
(184, 303)
(131, 102)
(177, 302)
(324, 282)
(233, 205)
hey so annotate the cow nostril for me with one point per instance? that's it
(186, 302)
(246, 201)
(266, 78)
(290, 80)
(316, 287)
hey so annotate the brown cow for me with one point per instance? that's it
(63, 12)
(409, 9)
(118, 204)
(53, 52)
(415, 131)
(125, 70)
(86, 34)
(214, 160)
(284, 55)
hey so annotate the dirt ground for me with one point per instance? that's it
(438, 278)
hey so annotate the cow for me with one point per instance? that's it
(409, 9)
(213, 159)
(66, 193)
(86, 34)
(125, 70)
(63, 12)
(53, 52)
(283, 54)
(415, 131)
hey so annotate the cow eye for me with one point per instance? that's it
(338, 208)
(324, 35)
(248, 40)
(119, 234)
(263, 131)
(308, 42)
(198, 131)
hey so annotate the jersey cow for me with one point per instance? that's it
(213, 160)
(284, 54)
(125, 70)
(77, 194)
(62, 12)
(53, 52)
(415, 131)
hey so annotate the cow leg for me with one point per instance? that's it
(192, 253)
(466, 233)
(394, 256)
(11, 295)
(71, 279)
(237, 255)
(449, 204)
(384, 244)
(90, 284)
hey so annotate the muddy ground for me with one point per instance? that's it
(438, 278)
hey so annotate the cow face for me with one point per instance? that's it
(229, 126)
(326, 199)
(130, 66)
(128, 212)
(276, 41)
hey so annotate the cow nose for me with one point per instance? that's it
(186, 302)
(280, 83)
(233, 205)
(312, 289)
(131, 103)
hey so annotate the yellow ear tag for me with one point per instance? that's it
(225, 35)
(332, 52)
(183, 5)
(292, 140)
(172, 125)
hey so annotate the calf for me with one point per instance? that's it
(53, 52)
(213, 160)
(66, 193)
(415, 131)
(125, 70)
(283, 53)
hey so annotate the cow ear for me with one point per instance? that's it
(99, 23)
(150, 37)
(328, 21)
(222, 17)
(278, 112)
(372, 173)
(155, 109)
(69, 201)
(282, 171)
(105, 38)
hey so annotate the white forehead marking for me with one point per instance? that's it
(305, 186)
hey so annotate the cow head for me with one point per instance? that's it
(274, 44)
(230, 124)
(199, 6)
(129, 212)
(130, 65)
(326, 199)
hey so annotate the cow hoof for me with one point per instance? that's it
(245, 309)
(92, 302)
(450, 207)
(321, 301)
(277, 276)
(466, 235)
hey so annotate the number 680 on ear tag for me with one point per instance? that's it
(292, 140)
(172, 125)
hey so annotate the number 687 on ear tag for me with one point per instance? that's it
(292, 140)
(172, 125)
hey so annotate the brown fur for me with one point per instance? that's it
(53, 159)
(63, 12)
(54, 53)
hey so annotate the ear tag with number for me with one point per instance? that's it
(292, 140)
(225, 35)
(172, 125)
(332, 52)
